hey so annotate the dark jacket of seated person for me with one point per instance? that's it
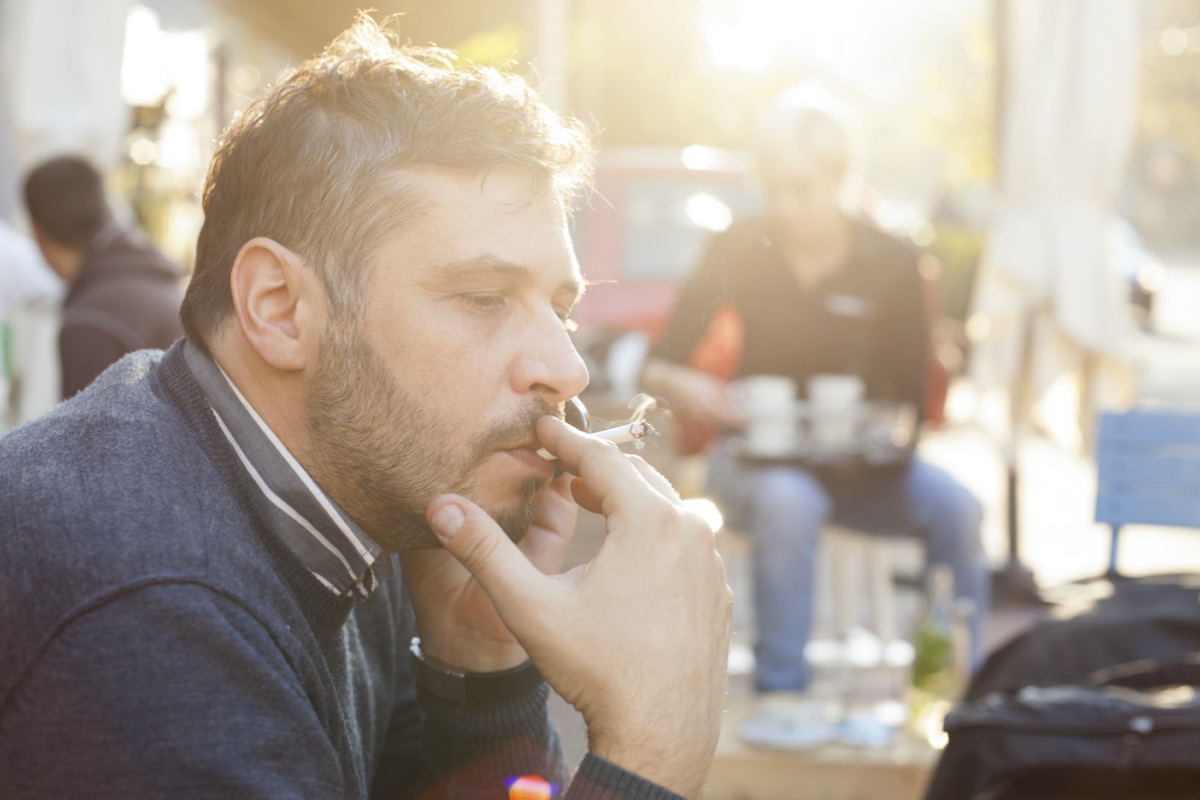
(123, 295)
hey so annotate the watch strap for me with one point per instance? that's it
(461, 686)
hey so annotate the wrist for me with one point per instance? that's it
(467, 653)
(467, 686)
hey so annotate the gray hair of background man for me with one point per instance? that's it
(808, 122)
(323, 163)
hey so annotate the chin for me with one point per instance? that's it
(514, 521)
(513, 511)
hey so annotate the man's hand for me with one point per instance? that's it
(695, 394)
(638, 639)
(456, 620)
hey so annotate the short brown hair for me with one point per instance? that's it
(318, 164)
(65, 198)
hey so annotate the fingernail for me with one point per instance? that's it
(448, 521)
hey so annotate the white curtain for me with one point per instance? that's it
(1049, 297)
(62, 70)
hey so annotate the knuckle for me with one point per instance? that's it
(696, 525)
(720, 567)
(638, 461)
(480, 552)
(664, 514)
(598, 452)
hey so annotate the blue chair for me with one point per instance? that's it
(1148, 471)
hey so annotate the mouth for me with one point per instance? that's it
(526, 455)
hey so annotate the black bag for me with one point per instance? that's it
(1098, 701)
(1097, 625)
(1073, 743)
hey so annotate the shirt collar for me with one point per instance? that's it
(325, 539)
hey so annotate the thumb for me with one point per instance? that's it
(469, 534)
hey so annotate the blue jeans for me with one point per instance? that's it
(782, 507)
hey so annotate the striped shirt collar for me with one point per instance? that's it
(333, 547)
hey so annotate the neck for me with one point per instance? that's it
(817, 239)
(66, 261)
(274, 395)
(817, 255)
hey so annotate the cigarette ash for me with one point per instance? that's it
(641, 406)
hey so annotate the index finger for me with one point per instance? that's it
(609, 475)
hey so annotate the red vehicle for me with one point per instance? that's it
(638, 235)
(645, 226)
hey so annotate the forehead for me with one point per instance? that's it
(507, 215)
(796, 171)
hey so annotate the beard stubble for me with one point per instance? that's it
(383, 456)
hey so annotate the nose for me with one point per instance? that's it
(548, 364)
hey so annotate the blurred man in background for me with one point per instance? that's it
(820, 291)
(124, 294)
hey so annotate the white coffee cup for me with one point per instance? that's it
(835, 408)
(768, 403)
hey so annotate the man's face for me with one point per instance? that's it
(803, 197)
(461, 346)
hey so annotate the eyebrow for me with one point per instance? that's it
(488, 265)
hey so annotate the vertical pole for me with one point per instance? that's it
(1112, 553)
(1015, 582)
(1000, 82)
(1016, 394)
(550, 51)
(220, 87)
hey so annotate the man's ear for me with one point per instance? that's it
(279, 303)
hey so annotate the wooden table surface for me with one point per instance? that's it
(742, 771)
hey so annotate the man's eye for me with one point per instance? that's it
(485, 302)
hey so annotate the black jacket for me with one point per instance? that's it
(125, 298)
(867, 319)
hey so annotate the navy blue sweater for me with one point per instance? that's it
(158, 640)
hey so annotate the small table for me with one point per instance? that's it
(874, 432)
(741, 771)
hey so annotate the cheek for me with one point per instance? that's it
(457, 369)
(461, 385)
(420, 349)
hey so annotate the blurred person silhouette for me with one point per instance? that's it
(26, 280)
(311, 550)
(819, 290)
(26, 284)
(123, 294)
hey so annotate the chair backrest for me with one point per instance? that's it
(1148, 468)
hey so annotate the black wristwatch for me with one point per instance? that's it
(460, 686)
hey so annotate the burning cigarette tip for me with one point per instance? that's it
(636, 430)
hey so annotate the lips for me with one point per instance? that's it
(527, 455)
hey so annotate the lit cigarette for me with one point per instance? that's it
(622, 434)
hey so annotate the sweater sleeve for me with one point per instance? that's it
(598, 779)
(475, 750)
(168, 690)
(479, 751)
